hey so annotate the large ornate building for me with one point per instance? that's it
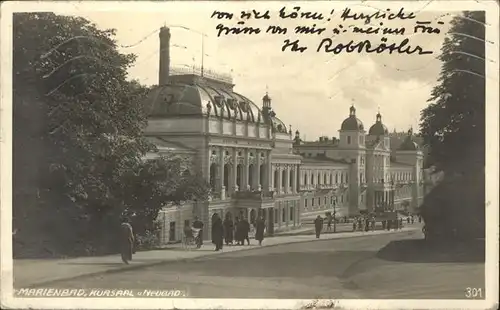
(254, 164)
(244, 151)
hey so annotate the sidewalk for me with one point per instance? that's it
(36, 272)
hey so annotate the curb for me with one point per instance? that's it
(166, 261)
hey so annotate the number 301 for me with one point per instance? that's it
(472, 292)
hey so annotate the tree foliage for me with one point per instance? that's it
(453, 129)
(453, 125)
(78, 144)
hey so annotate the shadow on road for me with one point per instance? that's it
(422, 251)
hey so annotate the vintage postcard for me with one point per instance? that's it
(249, 155)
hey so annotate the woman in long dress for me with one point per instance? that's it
(228, 230)
(127, 241)
(260, 226)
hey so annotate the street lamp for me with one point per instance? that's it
(334, 216)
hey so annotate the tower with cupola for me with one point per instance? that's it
(352, 149)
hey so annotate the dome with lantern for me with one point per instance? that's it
(378, 129)
(352, 122)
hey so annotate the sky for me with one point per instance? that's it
(311, 91)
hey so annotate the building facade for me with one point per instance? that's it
(256, 167)
(369, 175)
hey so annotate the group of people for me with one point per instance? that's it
(364, 223)
(238, 231)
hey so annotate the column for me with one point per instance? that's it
(220, 186)
(256, 178)
(286, 183)
(269, 173)
(295, 176)
(232, 178)
(246, 171)
(287, 215)
(279, 183)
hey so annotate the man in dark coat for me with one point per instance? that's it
(318, 225)
(260, 226)
(245, 229)
(228, 230)
(217, 233)
(127, 240)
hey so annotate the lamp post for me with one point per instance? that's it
(335, 215)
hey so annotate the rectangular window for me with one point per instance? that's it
(319, 201)
(275, 215)
(312, 202)
(348, 139)
(305, 202)
(291, 213)
(325, 200)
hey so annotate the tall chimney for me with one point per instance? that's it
(164, 55)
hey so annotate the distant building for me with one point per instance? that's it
(360, 170)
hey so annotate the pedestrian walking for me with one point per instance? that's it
(354, 225)
(228, 230)
(318, 225)
(237, 231)
(412, 219)
(127, 240)
(260, 226)
(245, 229)
(401, 223)
(408, 220)
(367, 224)
(198, 225)
(373, 222)
(329, 223)
(217, 232)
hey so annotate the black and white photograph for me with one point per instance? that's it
(250, 155)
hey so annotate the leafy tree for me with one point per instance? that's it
(453, 124)
(78, 127)
(453, 129)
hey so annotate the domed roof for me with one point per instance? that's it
(352, 122)
(378, 129)
(192, 97)
(278, 125)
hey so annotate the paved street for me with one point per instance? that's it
(379, 266)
